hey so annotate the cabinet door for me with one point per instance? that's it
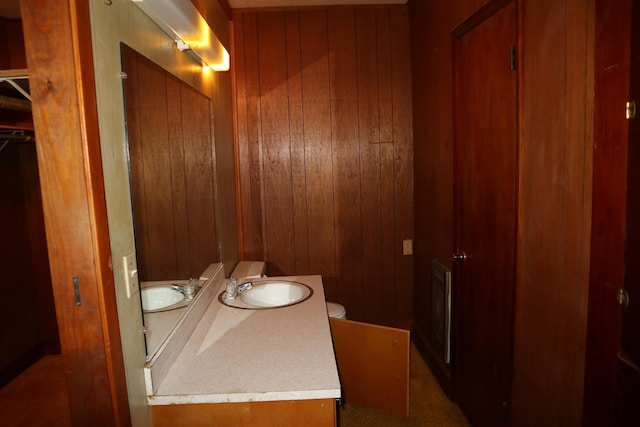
(373, 363)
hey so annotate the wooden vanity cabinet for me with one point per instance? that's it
(373, 363)
(309, 413)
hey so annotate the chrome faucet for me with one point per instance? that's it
(178, 288)
(188, 290)
(243, 287)
(233, 289)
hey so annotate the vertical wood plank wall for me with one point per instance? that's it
(172, 172)
(556, 134)
(27, 330)
(13, 57)
(431, 26)
(556, 107)
(612, 147)
(323, 101)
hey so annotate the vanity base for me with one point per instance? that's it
(294, 413)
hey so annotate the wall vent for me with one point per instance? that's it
(441, 310)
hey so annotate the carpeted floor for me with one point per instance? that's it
(38, 397)
(428, 406)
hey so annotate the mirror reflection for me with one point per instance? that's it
(172, 170)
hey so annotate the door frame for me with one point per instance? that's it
(60, 63)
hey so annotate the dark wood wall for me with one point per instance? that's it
(28, 327)
(172, 161)
(556, 152)
(556, 111)
(324, 122)
(12, 57)
(12, 43)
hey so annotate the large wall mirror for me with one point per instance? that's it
(172, 170)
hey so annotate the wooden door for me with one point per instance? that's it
(485, 185)
(373, 363)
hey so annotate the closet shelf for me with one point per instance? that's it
(15, 100)
(14, 78)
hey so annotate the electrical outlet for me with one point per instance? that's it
(130, 274)
(407, 247)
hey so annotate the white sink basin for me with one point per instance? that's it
(270, 294)
(276, 293)
(159, 297)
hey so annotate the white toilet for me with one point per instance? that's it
(336, 310)
(255, 269)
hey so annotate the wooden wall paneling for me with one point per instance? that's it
(251, 183)
(276, 144)
(431, 23)
(12, 41)
(326, 128)
(607, 274)
(156, 172)
(554, 223)
(403, 161)
(13, 58)
(19, 324)
(172, 163)
(370, 163)
(180, 249)
(296, 129)
(5, 60)
(199, 179)
(424, 144)
(318, 150)
(243, 201)
(69, 161)
(541, 222)
(341, 85)
(387, 268)
(37, 258)
(577, 202)
(346, 161)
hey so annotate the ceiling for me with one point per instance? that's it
(11, 8)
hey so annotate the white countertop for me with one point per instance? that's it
(236, 355)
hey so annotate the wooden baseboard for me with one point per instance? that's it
(26, 359)
(438, 368)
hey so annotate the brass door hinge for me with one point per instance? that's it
(630, 110)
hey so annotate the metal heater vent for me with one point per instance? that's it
(441, 310)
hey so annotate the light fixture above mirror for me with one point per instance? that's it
(191, 32)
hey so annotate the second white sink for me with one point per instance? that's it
(159, 297)
(275, 293)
